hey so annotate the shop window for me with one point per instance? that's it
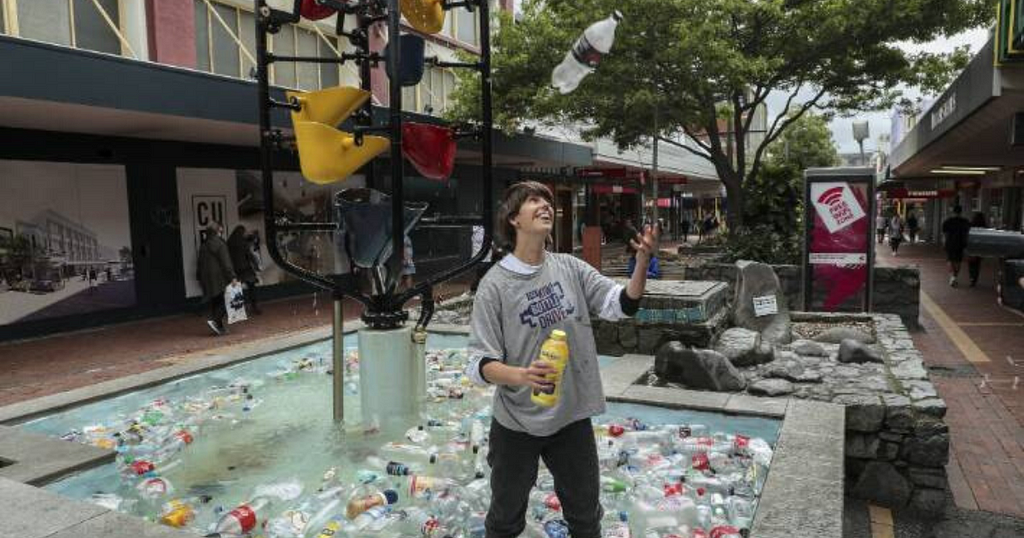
(226, 55)
(284, 45)
(247, 34)
(308, 73)
(465, 26)
(73, 23)
(92, 30)
(329, 73)
(45, 20)
(202, 18)
(409, 99)
(232, 50)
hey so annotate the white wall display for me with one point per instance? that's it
(65, 240)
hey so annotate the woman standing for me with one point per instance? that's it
(240, 246)
(895, 230)
(520, 301)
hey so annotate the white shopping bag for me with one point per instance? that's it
(234, 303)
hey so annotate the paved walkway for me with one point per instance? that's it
(44, 366)
(975, 353)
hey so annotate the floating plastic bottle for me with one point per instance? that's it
(585, 54)
(244, 518)
(427, 487)
(181, 512)
(361, 504)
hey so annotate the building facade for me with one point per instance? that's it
(128, 126)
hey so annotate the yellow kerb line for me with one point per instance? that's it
(881, 522)
(970, 350)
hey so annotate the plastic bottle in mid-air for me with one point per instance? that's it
(585, 54)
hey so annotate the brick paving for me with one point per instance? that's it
(44, 366)
(986, 414)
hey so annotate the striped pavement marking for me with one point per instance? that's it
(970, 350)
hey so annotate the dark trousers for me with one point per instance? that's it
(250, 296)
(571, 456)
(217, 310)
(974, 268)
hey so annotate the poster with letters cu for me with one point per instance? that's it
(838, 252)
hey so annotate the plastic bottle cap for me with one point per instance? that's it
(391, 495)
(558, 334)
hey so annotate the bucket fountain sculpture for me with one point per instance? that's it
(336, 134)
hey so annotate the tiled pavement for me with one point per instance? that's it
(966, 337)
(44, 366)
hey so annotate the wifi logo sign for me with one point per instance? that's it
(836, 205)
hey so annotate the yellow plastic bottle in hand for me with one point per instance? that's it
(555, 352)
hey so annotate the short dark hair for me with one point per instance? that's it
(513, 200)
(957, 209)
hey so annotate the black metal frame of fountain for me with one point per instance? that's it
(383, 309)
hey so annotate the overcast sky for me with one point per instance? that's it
(879, 123)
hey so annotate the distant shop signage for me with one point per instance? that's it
(921, 193)
(944, 110)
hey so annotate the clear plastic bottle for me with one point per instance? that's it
(408, 453)
(428, 487)
(585, 54)
(358, 505)
(181, 512)
(619, 528)
(244, 519)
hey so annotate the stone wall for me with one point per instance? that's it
(896, 443)
(897, 289)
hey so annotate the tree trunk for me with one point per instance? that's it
(734, 196)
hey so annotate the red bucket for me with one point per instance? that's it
(430, 149)
(314, 11)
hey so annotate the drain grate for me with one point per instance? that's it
(965, 370)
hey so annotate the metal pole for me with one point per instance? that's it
(395, 124)
(654, 169)
(338, 349)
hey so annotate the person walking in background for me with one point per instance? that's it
(240, 247)
(912, 227)
(974, 262)
(880, 224)
(895, 230)
(214, 271)
(684, 227)
(955, 229)
(408, 267)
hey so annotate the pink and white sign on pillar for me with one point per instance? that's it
(838, 255)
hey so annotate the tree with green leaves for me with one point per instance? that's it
(703, 67)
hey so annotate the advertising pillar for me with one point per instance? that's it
(839, 208)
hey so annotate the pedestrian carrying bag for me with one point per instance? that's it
(234, 303)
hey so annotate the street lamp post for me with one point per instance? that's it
(861, 132)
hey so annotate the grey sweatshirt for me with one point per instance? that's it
(514, 313)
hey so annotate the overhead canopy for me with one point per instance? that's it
(969, 125)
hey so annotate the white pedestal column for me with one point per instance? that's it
(388, 377)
